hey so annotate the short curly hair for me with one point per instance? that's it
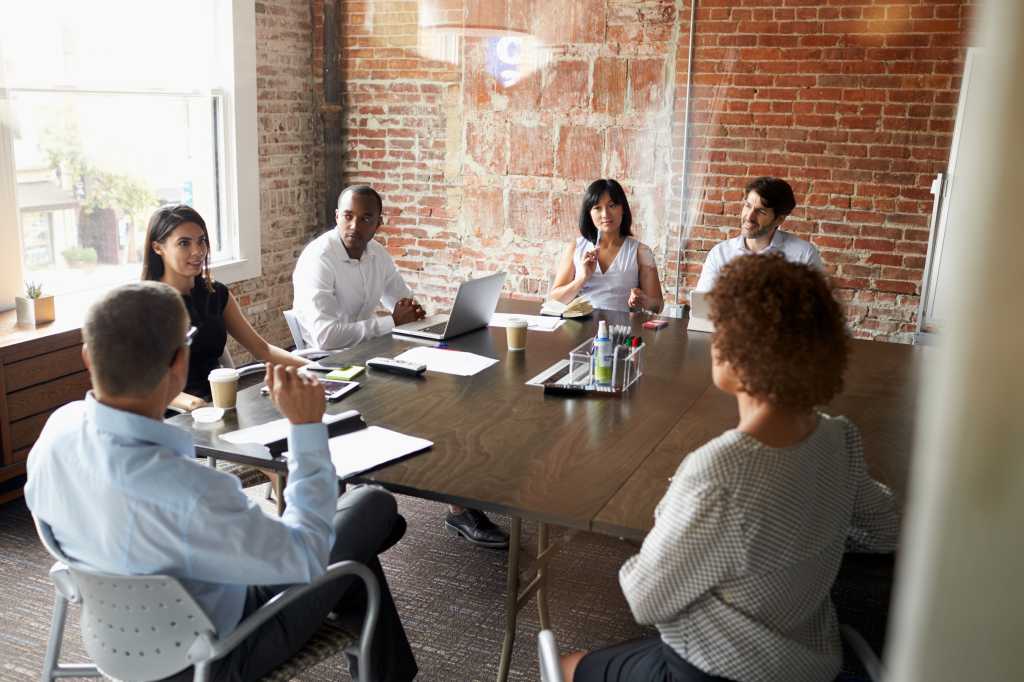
(781, 329)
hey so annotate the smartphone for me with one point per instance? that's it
(334, 390)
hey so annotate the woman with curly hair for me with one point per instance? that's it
(747, 541)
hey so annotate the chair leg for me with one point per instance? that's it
(278, 482)
(50, 661)
(201, 672)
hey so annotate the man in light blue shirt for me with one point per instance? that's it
(123, 493)
(767, 203)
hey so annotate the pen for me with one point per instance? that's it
(559, 389)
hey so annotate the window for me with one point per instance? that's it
(110, 109)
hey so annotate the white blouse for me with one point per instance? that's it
(610, 289)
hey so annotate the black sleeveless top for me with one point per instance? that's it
(206, 313)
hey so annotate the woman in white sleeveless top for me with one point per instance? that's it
(606, 264)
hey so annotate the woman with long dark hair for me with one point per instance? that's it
(606, 264)
(178, 254)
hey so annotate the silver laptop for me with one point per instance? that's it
(474, 304)
(700, 313)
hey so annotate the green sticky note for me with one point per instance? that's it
(346, 373)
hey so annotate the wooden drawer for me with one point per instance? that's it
(43, 368)
(46, 397)
(25, 431)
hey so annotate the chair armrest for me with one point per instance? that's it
(62, 579)
(867, 656)
(215, 648)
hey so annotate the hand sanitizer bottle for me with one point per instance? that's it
(603, 356)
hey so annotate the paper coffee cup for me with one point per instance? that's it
(224, 387)
(515, 329)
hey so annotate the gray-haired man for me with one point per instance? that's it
(123, 493)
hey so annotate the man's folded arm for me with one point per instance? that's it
(231, 540)
(319, 310)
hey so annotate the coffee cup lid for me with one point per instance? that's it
(208, 415)
(223, 374)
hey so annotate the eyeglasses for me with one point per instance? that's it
(189, 335)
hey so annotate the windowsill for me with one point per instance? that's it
(70, 308)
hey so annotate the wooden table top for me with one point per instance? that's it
(879, 396)
(590, 463)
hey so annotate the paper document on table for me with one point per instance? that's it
(447, 361)
(366, 449)
(535, 323)
(277, 430)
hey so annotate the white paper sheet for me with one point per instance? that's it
(271, 432)
(447, 361)
(362, 450)
(534, 323)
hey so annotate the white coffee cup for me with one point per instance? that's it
(224, 387)
(515, 330)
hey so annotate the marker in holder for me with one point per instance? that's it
(625, 367)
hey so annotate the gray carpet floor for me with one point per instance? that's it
(450, 595)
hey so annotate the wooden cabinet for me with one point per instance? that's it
(40, 370)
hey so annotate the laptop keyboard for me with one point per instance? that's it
(435, 328)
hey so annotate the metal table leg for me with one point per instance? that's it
(511, 598)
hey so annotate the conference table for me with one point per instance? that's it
(592, 463)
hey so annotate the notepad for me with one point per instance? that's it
(577, 307)
(370, 448)
(277, 430)
(345, 373)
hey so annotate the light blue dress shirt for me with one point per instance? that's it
(124, 495)
(794, 249)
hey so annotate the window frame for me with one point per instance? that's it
(238, 152)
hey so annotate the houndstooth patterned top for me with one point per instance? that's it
(745, 547)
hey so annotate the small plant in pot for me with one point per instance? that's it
(34, 308)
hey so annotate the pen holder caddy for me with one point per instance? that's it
(624, 372)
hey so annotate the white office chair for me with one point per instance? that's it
(547, 656)
(149, 627)
(295, 328)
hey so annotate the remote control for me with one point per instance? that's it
(396, 366)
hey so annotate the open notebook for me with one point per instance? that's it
(355, 447)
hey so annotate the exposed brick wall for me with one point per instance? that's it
(853, 101)
(290, 159)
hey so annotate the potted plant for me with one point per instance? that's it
(34, 308)
(80, 257)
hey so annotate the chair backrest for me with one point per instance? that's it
(295, 328)
(133, 627)
(225, 359)
(547, 656)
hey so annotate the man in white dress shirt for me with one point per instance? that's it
(340, 280)
(767, 203)
(343, 277)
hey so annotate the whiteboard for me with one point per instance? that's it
(946, 241)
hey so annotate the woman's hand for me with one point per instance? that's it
(638, 299)
(589, 264)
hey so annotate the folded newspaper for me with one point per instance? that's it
(578, 307)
